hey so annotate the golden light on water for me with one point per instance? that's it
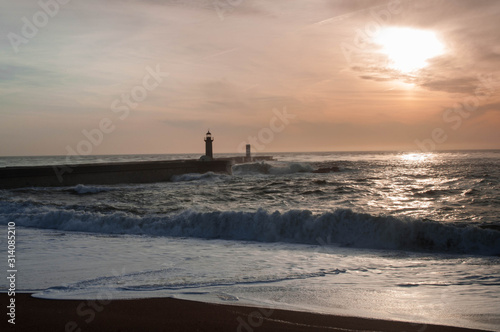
(409, 49)
(417, 156)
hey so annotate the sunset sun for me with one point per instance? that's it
(409, 49)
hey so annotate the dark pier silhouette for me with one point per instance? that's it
(119, 172)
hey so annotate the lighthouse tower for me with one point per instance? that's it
(208, 145)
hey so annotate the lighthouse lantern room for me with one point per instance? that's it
(208, 145)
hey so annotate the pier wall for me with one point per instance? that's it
(106, 173)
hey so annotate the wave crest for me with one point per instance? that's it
(275, 168)
(87, 189)
(196, 177)
(343, 227)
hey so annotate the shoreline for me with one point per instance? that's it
(169, 314)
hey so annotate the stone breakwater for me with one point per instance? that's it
(106, 173)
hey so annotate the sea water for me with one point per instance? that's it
(406, 236)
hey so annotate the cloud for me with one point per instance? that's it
(491, 107)
(232, 71)
(468, 30)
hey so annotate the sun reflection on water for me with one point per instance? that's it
(418, 156)
(413, 186)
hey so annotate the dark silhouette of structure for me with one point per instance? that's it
(120, 172)
(106, 173)
(249, 154)
(208, 146)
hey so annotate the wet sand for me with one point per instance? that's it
(167, 314)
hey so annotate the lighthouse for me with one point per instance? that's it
(208, 145)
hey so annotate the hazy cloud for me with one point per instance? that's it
(232, 70)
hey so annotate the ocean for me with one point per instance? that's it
(392, 235)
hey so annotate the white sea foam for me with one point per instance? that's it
(209, 176)
(168, 279)
(275, 168)
(87, 189)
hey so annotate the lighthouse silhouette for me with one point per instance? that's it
(208, 145)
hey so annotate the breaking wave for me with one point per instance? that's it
(275, 168)
(341, 227)
(85, 189)
(196, 177)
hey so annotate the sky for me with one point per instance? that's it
(143, 77)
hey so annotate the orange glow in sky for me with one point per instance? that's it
(152, 76)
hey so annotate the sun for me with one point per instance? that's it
(409, 49)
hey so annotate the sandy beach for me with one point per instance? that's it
(167, 314)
